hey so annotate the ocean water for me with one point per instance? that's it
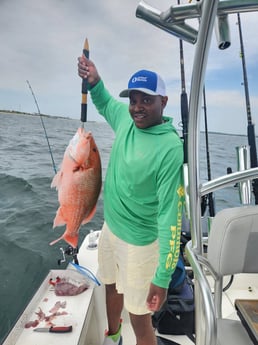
(28, 204)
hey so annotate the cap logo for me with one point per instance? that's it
(135, 79)
(147, 82)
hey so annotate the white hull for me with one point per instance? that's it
(86, 312)
(79, 310)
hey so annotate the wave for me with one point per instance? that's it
(28, 206)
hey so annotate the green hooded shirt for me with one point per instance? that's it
(143, 191)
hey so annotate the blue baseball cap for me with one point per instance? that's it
(145, 81)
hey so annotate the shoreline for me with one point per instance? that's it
(15, 112)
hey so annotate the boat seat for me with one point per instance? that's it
(232, 249)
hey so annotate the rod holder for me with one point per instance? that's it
(243, 160)
(186, 186)
(222, 32)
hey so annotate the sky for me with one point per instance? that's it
(41, 40)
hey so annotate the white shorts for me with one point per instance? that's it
(130, 267)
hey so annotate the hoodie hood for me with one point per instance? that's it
(164, 127)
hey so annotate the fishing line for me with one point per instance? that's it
(43, 125)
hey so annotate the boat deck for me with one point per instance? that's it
(75, 310)
(86, 312)
(241, 288)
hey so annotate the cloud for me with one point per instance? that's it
(41, 42)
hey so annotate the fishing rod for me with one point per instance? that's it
(43, 125)
(184, 103)
(185, 117)
(183, 100)
(184, 122)
(86, 52)
(210, 195)
(84, 91)
(250, 124)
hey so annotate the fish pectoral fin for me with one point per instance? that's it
(56, 182)
(55, 241)
(59, 219)
(90, 215)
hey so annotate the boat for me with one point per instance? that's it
(224, 261)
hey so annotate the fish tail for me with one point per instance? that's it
(72, 240)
